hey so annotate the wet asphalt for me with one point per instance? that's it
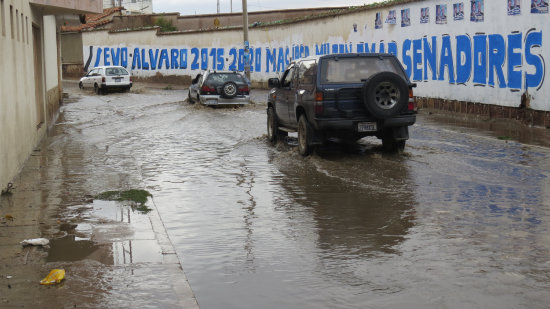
(459, 220)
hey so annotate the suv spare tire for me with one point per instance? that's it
(229, 90)
(385, 94)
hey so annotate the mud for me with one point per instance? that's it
(459, 220)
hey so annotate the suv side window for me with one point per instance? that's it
(306, 72)
(286, 81)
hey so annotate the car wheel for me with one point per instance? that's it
(189, 98)
(304, 136)
(80, 85)
(273, 133)
(229, 90)
(390, 144)
(385, 94)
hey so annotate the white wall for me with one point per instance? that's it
(18, 114)
(492, 61)
(50, 52)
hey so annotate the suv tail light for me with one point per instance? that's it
(244, 90)
(205, 89)
(412, 102)
(318, 103)
(318, 96)
(103, 79)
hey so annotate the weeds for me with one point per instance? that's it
(138, 197)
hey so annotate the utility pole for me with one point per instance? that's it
(246, 43)
(218, 6)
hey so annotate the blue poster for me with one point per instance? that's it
(458, 11)
(441, 14)
(405, 17)
(392, 18)
(477, 11)
(539, 6)
(378, 21)
(514, 7)
(424, 15)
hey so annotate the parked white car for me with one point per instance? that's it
(104, 78)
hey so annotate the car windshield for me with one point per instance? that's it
(222, 78)
(115, 71)
(356, 69)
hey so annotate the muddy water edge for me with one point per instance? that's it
(459, 220)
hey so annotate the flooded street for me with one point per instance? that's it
(460, 220)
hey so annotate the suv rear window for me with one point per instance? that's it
(115, 71)
(353, 70)
(218, 79)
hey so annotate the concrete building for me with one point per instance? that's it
(30, 78)
(131, 6)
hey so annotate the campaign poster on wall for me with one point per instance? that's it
(392, 18)
(539, 6)
(441, 14)
(378, 21)
(514, 7)
(477, 12)
(405, 17)
(424, 15)
(458, 11)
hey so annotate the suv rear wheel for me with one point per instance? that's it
(390, 144)
(385, 94)
(304, 136)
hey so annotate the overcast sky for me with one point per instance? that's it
(191, 7)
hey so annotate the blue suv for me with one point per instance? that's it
(343, 96)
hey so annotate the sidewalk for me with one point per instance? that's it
(114, 255)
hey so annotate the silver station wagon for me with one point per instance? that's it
(219, 88)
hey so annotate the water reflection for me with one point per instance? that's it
(361, 205)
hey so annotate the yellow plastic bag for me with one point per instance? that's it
(55, 276)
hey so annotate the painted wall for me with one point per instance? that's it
(29, 80)
(50, 52)
(492, 57)
(18, 114)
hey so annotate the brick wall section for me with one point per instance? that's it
(525, 115)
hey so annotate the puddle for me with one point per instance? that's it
(114, 233)
(70, 248)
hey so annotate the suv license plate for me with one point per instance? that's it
(366, 126)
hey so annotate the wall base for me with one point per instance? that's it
(71, 71)
(525, 115)
(53, 103)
